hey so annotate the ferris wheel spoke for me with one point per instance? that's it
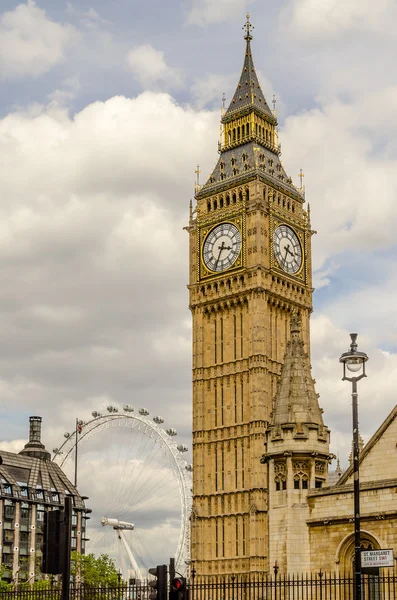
(155, 481)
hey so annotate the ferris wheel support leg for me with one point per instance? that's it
(133, 562)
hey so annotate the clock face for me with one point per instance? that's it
(287, 249)
(222, 247)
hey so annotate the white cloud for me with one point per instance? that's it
(377, 396)
(149, 67)
(211, 88)
(333, 18)
(13, 446)
(97, 276)
(30, 43)
(63, 95)
(205, 12)
(351, 189)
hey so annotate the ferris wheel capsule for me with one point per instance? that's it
(182, 448)
(171, 431)
(66, 434)
(128, 408)
(95, 414)
(158, 420)
(189, 468)
(144, 412)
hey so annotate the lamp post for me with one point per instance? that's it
(354, 362)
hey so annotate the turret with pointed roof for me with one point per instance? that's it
(297, 454)
(296, 409)
(296, 401)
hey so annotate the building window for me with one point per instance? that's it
(222, 405)
(236, 466)
(223, 467)
(318, 483)
(8, 535)
(280, 475)
(301, 475)
(216, 467)
(244, 538)
(24, 513)
(9, 511)
(235, 401)
(242, 465)
(221, 339)
(215, 341)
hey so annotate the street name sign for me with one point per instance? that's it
(377, 558)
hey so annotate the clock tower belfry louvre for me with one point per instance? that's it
(250, 268)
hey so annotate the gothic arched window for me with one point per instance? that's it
(301, 475)
(280, 475)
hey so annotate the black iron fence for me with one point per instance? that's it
(319, 586)
(138, 591)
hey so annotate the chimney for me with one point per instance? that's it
(35, 429)
(34, 447)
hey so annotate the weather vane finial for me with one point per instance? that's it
(248, 28)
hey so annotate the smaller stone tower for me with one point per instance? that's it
(297, 454)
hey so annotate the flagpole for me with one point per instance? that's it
(75, 455)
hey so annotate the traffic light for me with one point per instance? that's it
(53, 546)
(158, 585)
(178, 588)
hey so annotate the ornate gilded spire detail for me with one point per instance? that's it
(248, 94)
(248, 28)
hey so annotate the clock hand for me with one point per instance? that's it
(221, 247)
(288, 250)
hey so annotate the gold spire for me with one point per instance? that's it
(197, 184)
(248, 28)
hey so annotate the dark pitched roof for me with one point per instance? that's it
(248, 93)
(245, 160)
(21, 470)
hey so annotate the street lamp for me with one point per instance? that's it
(354, 362)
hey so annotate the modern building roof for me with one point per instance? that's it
(31, 474)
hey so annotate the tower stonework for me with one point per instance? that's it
(250, 268)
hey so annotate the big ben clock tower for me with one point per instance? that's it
(250, 268)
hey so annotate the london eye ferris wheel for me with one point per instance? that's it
(133, 471)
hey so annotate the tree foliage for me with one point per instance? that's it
(94, 571)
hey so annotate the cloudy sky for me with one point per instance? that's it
(106, 108)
